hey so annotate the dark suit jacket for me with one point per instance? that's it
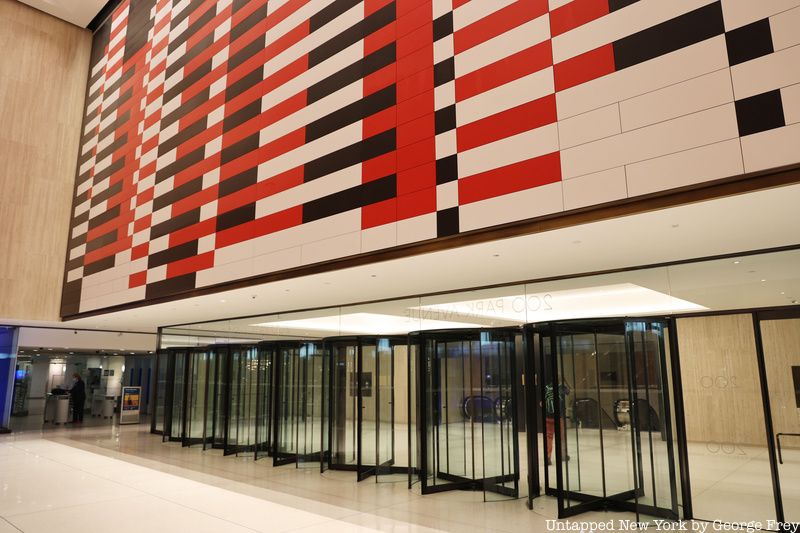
(78, 391)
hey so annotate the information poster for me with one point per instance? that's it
(131, 405)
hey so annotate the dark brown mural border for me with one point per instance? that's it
(731, 186)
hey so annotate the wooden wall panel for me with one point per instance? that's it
(721, 387)
(43, 72)
(781, 340)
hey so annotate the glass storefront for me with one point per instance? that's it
(672, 392)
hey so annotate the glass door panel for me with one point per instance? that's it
(728, 453)
(781, 347)
(655, 466)
(235, 399)
(385, 429)
(286, 404)
(264, 400)
(499, 429)
(344, 405)
(196, 394)
(162, 363)
(175, 424)
(220, 396)
(211, 404)
(311, 417)
(367, 408)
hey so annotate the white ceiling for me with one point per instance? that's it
(78, 12)
(759, 220)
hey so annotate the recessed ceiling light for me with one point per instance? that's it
(495, 255)
(783, 292)
(763, 280)
(374, 276)
(736, 262)
(223, 301)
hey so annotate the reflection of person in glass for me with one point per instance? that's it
(550, 410)
(78, 395)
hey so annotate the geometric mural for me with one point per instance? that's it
(225, 139)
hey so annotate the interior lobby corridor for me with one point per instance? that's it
(103, 478)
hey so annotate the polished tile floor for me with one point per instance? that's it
(103, 477)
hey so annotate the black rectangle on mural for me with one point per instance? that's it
(185, 108)
(616, 5)
(71, 297)
(113, 147)
(761, 112)
(447, 222)
(329, 13)
(245, 53)
(350, 155)
(674, 34)
(245, 146)
(189, 80)
(447, 169)
(99, 265)
(749, 42)
(353, 34)
(445, 119)
(184, 59)
(358, 110)
(106, 216)
(444, 71)
(237, 216)
(176, 253)
(258, 15)
(359, 196)
(175, 223)
(238, 182)
(352, 73)
(171, 286)
(108, 171)
(443, 26)
(248, 112)
(246, 82)
(179, 193)
(183, 135)
(121, 99)
(183, 163)
(77, 221)
(103, 240)
(110, 129)
(74, 243)
(104, 195)
(177, 18)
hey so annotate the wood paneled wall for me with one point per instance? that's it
(43, 71)
(721, 387)
(781, 339)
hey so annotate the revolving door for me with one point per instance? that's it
(606, 402)
(364, 408)
(466, 418)
(299, 404)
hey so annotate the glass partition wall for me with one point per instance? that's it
(687, 407)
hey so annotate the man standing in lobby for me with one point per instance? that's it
(78, 396)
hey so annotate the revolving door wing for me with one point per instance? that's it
(466, 420)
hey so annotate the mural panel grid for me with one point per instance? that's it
(224, 139)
